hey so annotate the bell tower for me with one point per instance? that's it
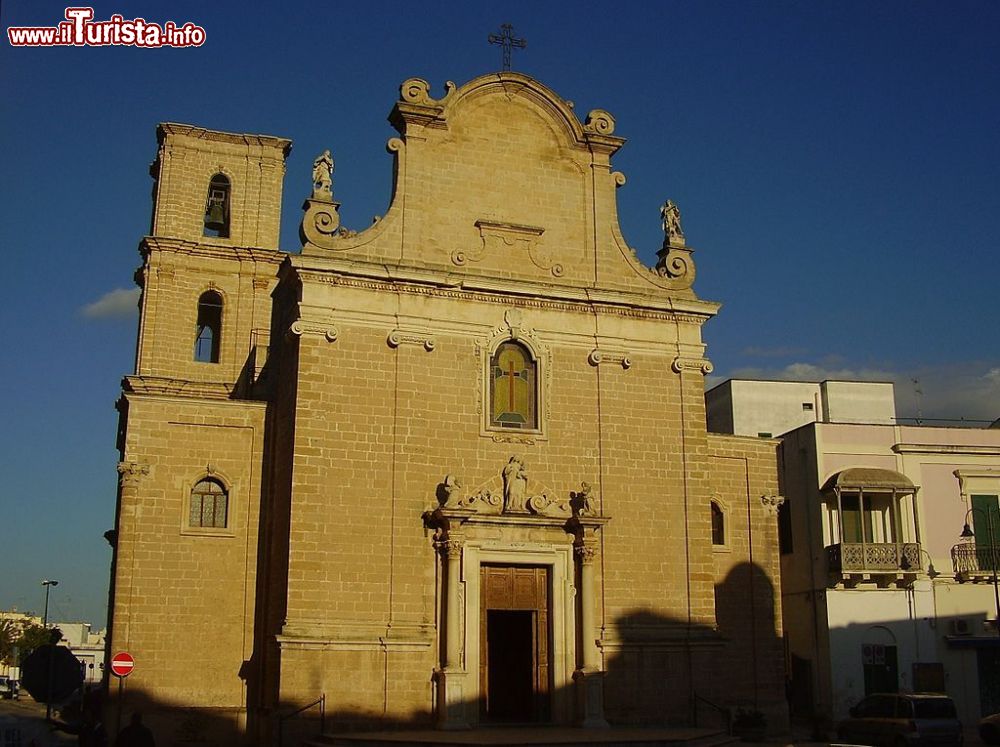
(211, 256)
(218, 187)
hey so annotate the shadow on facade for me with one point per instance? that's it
(957, 655)
(658, 671)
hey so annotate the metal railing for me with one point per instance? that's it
(282, 718)
(724, 712)
(849, 557)
(971, 559)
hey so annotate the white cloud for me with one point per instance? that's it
(757, 351)
(814, 372)
(117, 304)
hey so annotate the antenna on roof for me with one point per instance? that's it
(918, 394)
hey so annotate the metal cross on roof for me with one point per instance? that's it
(507, 41)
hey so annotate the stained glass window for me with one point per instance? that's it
(209, 505)
(513, 388)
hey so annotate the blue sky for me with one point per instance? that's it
(837, 164)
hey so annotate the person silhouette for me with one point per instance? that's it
(136, 734)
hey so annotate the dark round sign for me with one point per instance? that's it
(51, 674)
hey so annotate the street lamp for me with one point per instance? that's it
(47, 583)
(967, 533)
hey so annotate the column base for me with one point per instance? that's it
(589, 684)
(451, 700)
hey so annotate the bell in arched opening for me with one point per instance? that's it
(217, 207)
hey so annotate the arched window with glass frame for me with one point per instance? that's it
(513, 388)
(209, 505)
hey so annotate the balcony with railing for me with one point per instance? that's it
(971, 560)
(871, 517)
(879, 557)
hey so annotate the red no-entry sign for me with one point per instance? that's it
(122, 664)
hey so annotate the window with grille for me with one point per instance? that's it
(209, 505)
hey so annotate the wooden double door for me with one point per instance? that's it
(514, 644)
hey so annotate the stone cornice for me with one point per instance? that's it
(380, 277)
(951, 449)
(169, 245)
(216, 136)
(162, 386)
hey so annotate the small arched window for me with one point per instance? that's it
(718, 525)
(217, 207)
(513, 388)
(209, 504)
(208, 337)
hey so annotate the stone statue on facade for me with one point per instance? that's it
(584, 501)
(672, 231)
(515, 487)
(323, 176)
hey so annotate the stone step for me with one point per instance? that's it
(531, 737)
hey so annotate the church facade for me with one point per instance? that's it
(446, 472)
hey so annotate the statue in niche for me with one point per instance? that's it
(672, 231)
(323, 176)
(515, 487)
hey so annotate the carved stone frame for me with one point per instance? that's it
(230, 486)
(513, 330)
(558, 558)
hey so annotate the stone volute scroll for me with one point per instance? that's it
(682, 363)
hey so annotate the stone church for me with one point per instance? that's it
(448, 472)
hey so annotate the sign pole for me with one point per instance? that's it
(118, 710)
(122, 665)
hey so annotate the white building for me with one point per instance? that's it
(879, 590)
(78, 637)
(749, 407)
(87, 646)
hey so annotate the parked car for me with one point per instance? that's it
(903, 720)
(989, 729)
